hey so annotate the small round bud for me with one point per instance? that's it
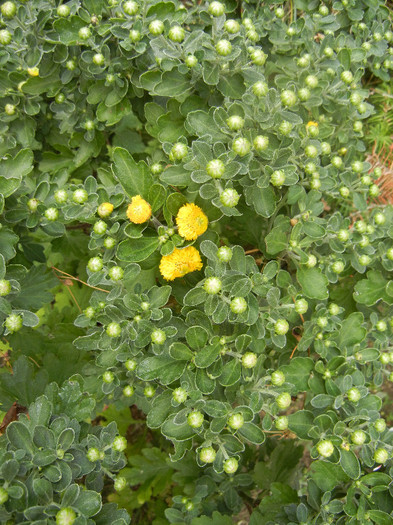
(108, 377)
(311, 151)
(380, 425)
(65, 516)
(304, 61)
(84, 33)
(232, 26)
(156, 27)
(135, 35)
(8, 9)
(176, 34)
(191, 61)
(5, 287)
(346, 77)
(325, 448)
(195, 419)
(80, 196)
(230, 465)
(116, 273)
(379, 218)
(109, 243)
(334, 309)
(236, 421)
(281, 423)
(311, 261)
(354, 394)
(13, 323)
(235, 122)
(261, 143)
(238, 305)
(279, 12)
(180, 395)
(216, 8)
(212, 285)
(130, 364)
(128, 391)
(343, 235)
(337, 162)
(224, 254)
(89, 312)
(5, 37)
(32, 204)
(179, 151)
(304, 94)
(338, 266)
(311, 81)
(278, 378)
(358, 437)
(344, 191)
(281, 327)
(229, 197)
(381, 326)
(95, 264)
(93, 454)
(288, 98)
(100, 227)
(145, 306)
(389, 254)
(381, 455)
(98, 59)
(158, 337)
(285, 127)
(277, 178)
(241, 146)
(119, 443)
(301, 306)
(113, 329)
(291, 31)
(260, 89)
(120, 483)
(207, 455)
(215, 168)
(149, 391)
(364, 260)
(156, 168)
(10, 109)
(374, 190)
(249, 360)
(322, 322)
(315, 184)
(130, 8)
(258, 57)
(325, 148)
(328, 52)
(283, 400)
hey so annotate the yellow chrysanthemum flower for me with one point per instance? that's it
(311, 123)
(180, 262)
(33, 71)
(139, 210)
(191, 221)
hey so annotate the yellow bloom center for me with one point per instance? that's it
(180, 262)
(33, 71)
(139, 210)
(311, 123)
(191, 221)
(105, 209)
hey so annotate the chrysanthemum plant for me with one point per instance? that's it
(194, 176)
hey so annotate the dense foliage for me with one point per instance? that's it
(190, 228)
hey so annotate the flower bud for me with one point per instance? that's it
(135, 35)
(207, 455)
(84, 33)
(5, 287)
(380, 425)
(277, 178)
(119, 443)
(120, 483)
(334, 309)
(65, 516)
(325, 448)
(113, 329)
(108, 377)
(354, 394)
(238, 305)
(158, 337)
(229, 197)
(223, 48)
(285, 127)
(176, 34)
(3, 496)
(179, 151)
(283, 400)
(13, 323)
(180, 395)
(346, 77)
(381, 455)
(311, 81)
(281, 327)
(301, 306)
(288, 98)
(128, 391)
(8, 9)
(311, 261)
(5, 37)
(191, 61)
(232, 26)
(281, 423)
(249, 360)
(261, 143)
(156, 27)
(236, 421)
(224, 254)
(216, 8)
(358, 437)
(215, 168)
(278, 378)
(258, 57)
(241, 146)
(212, 285)
(230, 465)
(195, 419)
(93, 454)
(116, 273)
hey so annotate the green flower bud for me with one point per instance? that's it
(374, 190)
(216, 8)
(176, 34)
(283, 400)
(260, 89)
(334, 309)
(381, 326)
(191, 61)
(288, 98)
(95, 264)
(343, 235)
(119, 443)
(389, 254)
(346, 77)
(5, 287)
(281, 423)
(364, 260)
(8, 9)
(380, 425)
(261, 143)
(304, 61)
(278, 378)
(13, 323)
(3, 496)
(207, 455)
(80, 196)
(379, 218)
(291, 31)
(229, 197)
(93, 454)
(116, 273)
(158, 337)
(230, 465)
(84, 33)
(358, 437)
(285, 127)
(195, 419)
(279, 12)
(258, 57)
(238, 305)
(156, 27)
(128, 391)
(179, 151)
(212, 285)
(149, 391)
(113, 329)
(223, 48)
(338, 266)
(224, 254)
(232, 26)
(304, 94)
(89, 312)
(235, 122)
(249, 360)
(135, 35)
(109, 243)
(156, 168)
(381, 455)
(311, 81)
(311, 261)
(325, 448)
(328, 52)
(281, 327)
(120, 483)
(354, 394)
(180, 395)
(236, 421)
(5, 37)
(301, 306)
(277, 178)
(108, 377)
(215, 168)
(241, 146)
(311, 151)
(315, 184)
(65, 516)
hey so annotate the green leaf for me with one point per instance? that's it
(216, 519)
(137, 250)
(349, 463)
(176, 176)
(352, 331)
(180, 432)
(18, 167)
(196, 337)
(160, 367)
(252, 433)
(207, 356)
(19, 436)
(88, 503)
(230, 373)
(68, 29)
(380, 517)
(160, 410)
(232, 86)
(159, 295)
(301, 422)
(313, 282)
(327, 475)
(298, 372)
(262, 199)
(180, 352)
(40, 411)
(135, 178)
(371, 290)
(173, 84)
(156, 197)
(214, 408)
(66, 438)
(202, 123)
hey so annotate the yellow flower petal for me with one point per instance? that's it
(191, 221)
(139, 210)
(180, 262)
